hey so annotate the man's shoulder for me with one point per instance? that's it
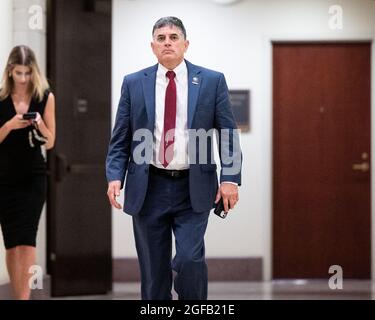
(206, 71)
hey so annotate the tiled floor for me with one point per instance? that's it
(274, 290)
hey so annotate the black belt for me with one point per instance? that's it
(175, 174)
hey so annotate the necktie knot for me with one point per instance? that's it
(171, 75)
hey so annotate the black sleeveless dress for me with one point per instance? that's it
(23, 179)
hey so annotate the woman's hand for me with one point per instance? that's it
(38, 118)
(17, 122)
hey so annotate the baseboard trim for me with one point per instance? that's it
(219, 269)
(5, 291)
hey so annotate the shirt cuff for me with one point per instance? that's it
(235, 183)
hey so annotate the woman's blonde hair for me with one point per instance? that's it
(23, 55)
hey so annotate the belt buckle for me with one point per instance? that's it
(174, 173)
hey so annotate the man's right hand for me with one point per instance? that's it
(113, 192)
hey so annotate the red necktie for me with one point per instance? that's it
(167, 138)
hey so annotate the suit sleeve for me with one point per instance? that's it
(120, 143)
(228, 136)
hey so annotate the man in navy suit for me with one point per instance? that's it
(171, 180)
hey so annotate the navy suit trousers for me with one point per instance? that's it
(167, 209)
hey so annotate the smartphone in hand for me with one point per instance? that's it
(219, 209)
(29, 116)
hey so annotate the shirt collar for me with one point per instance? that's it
(180, 70)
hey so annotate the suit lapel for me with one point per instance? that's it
(194, 84)
(148, 83)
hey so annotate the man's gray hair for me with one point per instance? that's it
(169, 21)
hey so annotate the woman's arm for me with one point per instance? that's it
(47, 124)
(4, 131)
(13, 124)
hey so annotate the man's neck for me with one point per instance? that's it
(171, 65)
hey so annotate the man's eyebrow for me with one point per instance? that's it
(166, 34)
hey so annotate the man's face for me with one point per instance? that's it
(169, 46)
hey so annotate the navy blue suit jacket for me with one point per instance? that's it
(208, 108)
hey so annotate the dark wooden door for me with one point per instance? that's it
(79, 216)
(321, 157)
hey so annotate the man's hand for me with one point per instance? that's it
(229, 193)
(113, 192)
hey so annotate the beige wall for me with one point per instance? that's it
(234, 39)
(5, 47)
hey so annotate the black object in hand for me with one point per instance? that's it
(29, 116)
(219, 209)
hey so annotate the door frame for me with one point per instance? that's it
(267, 127)
(52, 154)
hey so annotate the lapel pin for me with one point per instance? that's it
(195, 80)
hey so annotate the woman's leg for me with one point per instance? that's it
(19, 259)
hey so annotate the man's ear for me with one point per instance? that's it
(186, 45)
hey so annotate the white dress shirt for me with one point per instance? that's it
(180, 158)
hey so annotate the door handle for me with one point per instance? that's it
(364, 166)
(62, 167)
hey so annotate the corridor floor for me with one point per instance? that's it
(273, 290)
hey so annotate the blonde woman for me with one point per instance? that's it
(27, 121)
